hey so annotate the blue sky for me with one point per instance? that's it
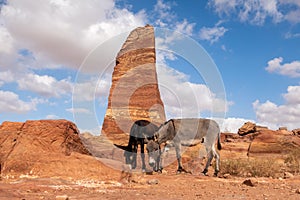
(46, 45)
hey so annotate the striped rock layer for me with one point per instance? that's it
(134, 93)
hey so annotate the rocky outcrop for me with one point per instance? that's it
(134, 93)
(272, 143)
(45, 148)
(261, 143)
(296, 131)
(250, 127)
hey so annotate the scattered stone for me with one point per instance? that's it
(126, 168)
(62, 197)
(283, 128)
(298, 191)
(153, 182)
(226, 176)
(247, 128)
(288, 175)
(251, 182)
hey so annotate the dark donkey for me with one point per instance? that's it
(184, 131)
(140, 132)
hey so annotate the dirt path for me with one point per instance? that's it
(158, 186)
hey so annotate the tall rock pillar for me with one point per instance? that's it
(134, 93)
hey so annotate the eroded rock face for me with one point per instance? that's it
(250, 127)
(134, 94)
(276, 143)
(264, 143)
(45, 148)
(296, 131)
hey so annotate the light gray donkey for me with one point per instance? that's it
(185, 131)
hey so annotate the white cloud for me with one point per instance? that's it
(92, 89)
(288, 69)
(45, 85)
(64, 32)
(212, 34)
(94, 131)
(292, 95)
(185, 27)
(274, 115)
(51, 116)
(162, 10)
(257, 11)
(293, 16)
(223, 6)
(295, 2)
(11, 103)
(6, 77)
(79, 110)
(181, 97)
(165, 18)
(6, 41)
(231, 124)
(289, 35)
(223, 47)
(185, 99)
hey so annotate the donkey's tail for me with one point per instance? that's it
(219, 141)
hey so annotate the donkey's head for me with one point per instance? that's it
(153, 150)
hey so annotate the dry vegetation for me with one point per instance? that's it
(293, 161)
(262, 167)
(252, 168)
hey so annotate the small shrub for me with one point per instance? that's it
(251, 167)
(293, 161)
(233, 167)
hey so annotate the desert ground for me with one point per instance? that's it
(51, 162)
(154, 186)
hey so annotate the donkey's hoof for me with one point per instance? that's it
(205, 172)
(216, 174)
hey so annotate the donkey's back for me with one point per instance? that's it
(192, 130)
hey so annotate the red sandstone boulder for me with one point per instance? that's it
(47, 148)
(296, 131)
(250, 127)
(273, 143)
(264, 143)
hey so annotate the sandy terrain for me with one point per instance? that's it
(155, 186)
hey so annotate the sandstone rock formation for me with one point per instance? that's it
(272, 143)
(134, 93)
(46, 148)
(296, 131)
(261, 143)
(250, 127)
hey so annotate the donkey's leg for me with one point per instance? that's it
(217, 158)
(178, 155)
(143, 155)
(128, 153)
(134, 153)
(160, 159)
(209, 159)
